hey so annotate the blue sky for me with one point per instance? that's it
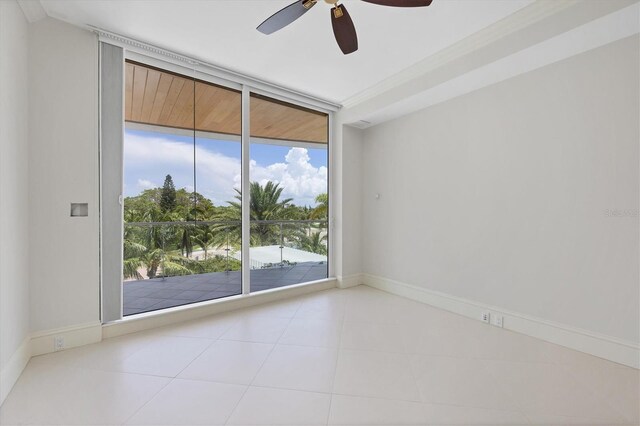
(150, 156)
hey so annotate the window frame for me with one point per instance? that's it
(206, 75)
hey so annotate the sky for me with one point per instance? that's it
(150, 156)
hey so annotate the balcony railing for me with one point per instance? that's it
(170, 248)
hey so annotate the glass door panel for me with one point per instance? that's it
(218, 240)
(182, 166)
(288, 195)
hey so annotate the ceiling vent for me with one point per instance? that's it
(361, 124)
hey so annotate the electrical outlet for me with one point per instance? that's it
(497, 320)
(58, 343)
(486, 317)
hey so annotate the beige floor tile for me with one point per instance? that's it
(298, 367)
(190, 402)
(265, 406)
(228, 361)
(375, 374)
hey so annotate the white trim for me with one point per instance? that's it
(42, 342)
(186, 68)
(608, 29)
(32, 10)
(332, 193)
(16, 364)
(194, 311)
(258, 85)
(607, 347)
(536, 35)
(349, 281)
(245, 190)
(521, 19)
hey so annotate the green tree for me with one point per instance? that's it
(204, 237)
(314, 243)
(160, 262)
(132, 260)
(265, 204)
(321, 211)
(168, 195)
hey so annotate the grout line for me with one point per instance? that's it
(518, 407)
(211, 343)
(335, 370)
(171, 379)
(592, 389)
(148, 401)
(263, 362)
(145, 339)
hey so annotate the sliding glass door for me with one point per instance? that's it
(183, 183)
(182, 172)
(289, 194)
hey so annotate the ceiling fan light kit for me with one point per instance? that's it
(343, 28)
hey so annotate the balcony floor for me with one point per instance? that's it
(159, 293)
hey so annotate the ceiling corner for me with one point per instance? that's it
(33, 10)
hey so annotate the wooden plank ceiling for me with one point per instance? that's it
(165, 99)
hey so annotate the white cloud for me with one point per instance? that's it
(149, 159)
(300, 179)
(146, 184)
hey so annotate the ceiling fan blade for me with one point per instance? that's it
(285, 16)
(343, 29)
(401, 3)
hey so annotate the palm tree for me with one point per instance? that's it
(265, 204)
(168, 263)
(321, 211)
(132, 258)
(204, 237)
(314, 243)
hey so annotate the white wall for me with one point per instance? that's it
(14, 229)
(63, 161)
(500, 196)
(351, 200)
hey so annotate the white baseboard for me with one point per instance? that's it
(42, 342)
(11, 372)
(186, 313)
(350, 280)
(607, 347)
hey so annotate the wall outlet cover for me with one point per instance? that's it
(497, 320)
(58, 343)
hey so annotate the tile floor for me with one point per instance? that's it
(337, 357)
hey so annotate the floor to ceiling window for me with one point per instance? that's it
(183, 192)
(181, 168)
(289, 194)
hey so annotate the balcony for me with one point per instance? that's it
(188, 263)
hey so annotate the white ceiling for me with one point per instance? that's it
(302, 56)
(591, 35)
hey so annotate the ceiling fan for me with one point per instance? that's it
(343, 28)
